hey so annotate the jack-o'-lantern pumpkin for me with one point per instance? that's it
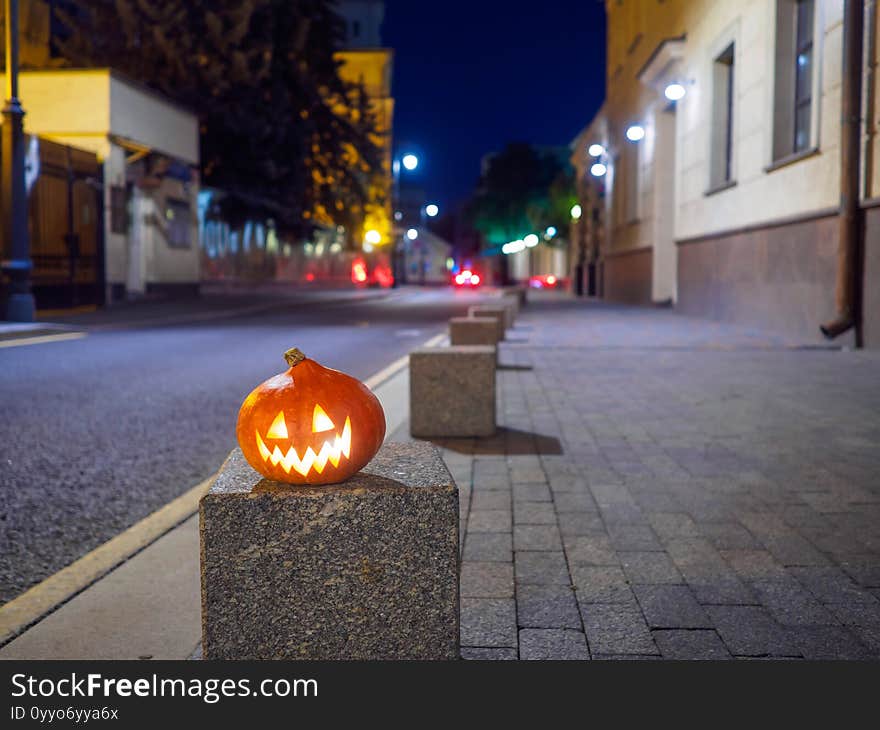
(310, 424)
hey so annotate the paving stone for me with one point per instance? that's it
(633, 537)
(534, 513)
(692, 644)
(617, 629)
(488, 622)
(590, 550)
(552, 644)
(790, 604)
(492, 546)
(574, 502)
(580, 523)
(598, 584)
(856, 613)
(728, 536)
(751, 631)
(864, 569)
(754, 564)
(650, 567)
(670, 606)
(672, 525)
(489, 520)
(482, 654)
(541, 567)
(527, 475)
(547, 607)
(721, 588)
(532, 493)
(491, 500)
(486, 580)
(536, 537)
(830, 642)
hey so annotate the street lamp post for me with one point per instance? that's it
(20, 302)
(410, 162)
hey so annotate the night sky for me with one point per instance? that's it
(471, 75)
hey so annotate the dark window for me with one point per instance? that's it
(355, 29)
(118, 209)
(178, 223)
(803, 74)
(722, 118)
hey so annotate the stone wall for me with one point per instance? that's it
(628, 276)
(780, 277)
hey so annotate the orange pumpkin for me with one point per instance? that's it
(310, 424)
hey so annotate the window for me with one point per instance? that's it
(178, 223)
(803, 85)
(793, 84)
(355, 29)
(721, 166)
(631, 182)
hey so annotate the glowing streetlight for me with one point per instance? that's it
(674, 92)
(550, 232)
(576, 211)
(635, 132)
(598, 169)
(431, 210)
(513, 247)
(410, 162)
(531, 240)
(596, 150)
(412, 234)
(373, 236)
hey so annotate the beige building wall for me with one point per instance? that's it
(760, 248)
(123, 122)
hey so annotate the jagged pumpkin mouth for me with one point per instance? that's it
(332, 451)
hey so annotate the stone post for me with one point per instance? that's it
(366, 569)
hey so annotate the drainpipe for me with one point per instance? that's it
(848, 285)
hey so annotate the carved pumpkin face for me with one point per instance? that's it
(310, 424)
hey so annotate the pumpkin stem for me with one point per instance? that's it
(294, 356)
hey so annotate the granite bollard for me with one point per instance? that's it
(495, 311)
(365, 569)
(452, 391)
(473, 331)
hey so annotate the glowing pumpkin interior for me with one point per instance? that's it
(332, 450)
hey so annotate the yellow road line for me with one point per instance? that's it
(40, 339)
(45, 597)
(36, 602)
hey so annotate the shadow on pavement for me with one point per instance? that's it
(507, 441)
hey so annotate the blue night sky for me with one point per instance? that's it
(471, 75)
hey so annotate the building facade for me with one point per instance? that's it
(148, 149)
(717, 172)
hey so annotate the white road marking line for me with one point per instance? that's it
(40, 339)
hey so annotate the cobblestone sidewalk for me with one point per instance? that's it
(665, 487)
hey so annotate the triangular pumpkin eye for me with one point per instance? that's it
(320, 420)
(278, 429)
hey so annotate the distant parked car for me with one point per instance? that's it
(543, 281)
(467, 279)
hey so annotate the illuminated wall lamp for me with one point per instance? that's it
(674, 91)
(596, 150)
(635, 132)
(598, 169)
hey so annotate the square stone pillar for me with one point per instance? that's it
(473, 331)
(366, 569)
(494, 311)
(452, 391)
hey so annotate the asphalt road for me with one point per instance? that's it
(97, 433)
